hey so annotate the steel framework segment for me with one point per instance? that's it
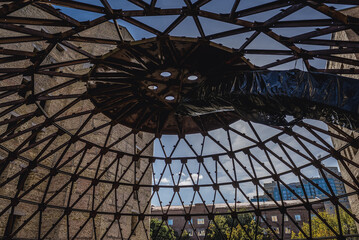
(24, 116)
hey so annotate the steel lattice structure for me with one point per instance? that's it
(83, 103)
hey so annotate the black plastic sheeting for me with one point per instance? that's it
(269, 96)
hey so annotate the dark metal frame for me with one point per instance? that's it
(337, 22)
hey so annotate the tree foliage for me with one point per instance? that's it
(160, 231)
(243, 228)
(184, 236)
(320, 229)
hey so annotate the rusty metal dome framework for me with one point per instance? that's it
(83, 103)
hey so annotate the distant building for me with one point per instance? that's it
(339, 185)
(312, 189)
(309, 188)
(261, 198)
(198, 225)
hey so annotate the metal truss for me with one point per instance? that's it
(62, 143)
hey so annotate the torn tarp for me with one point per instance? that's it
(268, 96)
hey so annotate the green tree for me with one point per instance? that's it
(160, 231)
(184, 236)
(320, 229)
(234, 229)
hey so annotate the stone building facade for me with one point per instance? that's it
(85, 162)
(352, 176)
(199, 224)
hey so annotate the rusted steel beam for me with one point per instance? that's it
(108, 7)
(267, 52)
(22, 29)
(336, 15)
(60, 74)
(14, 6)
(347, 2)
(141, 4)
(317, 33)
(153, 4)
(12, 59)
(200, 3)
(57, 13)
(229, 33)
(13, 70)
(77, 49)
(305, 23)
(21, 39)
(262, 8)
(93, 40)
(339, 71)
(83, 27)
(76, 5)
(174, 24)
(132, 72)
(33, 21)
(64, 64)
(155, 12)
(224, 18)
(234, 8)
(334, 51)
(279, 62)
(323, 42)
(142, 25)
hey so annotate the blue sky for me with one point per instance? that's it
(238, 142)
(187, 28)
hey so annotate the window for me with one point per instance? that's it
(138, 150)
(11, 125)
(133, 224)
(287, 230)
(138, 162)
(87, 65)
(191, 221)
(297, 217)
(53, 69)
(190, 233)
(135, 195)
(276, 230)
(170, 222)
(201, 233)
(274, 219)
(263, 218)
(37, 47)
(60, 48)
(43, 29)
(13, 223)
(200, 221)
(286, 218)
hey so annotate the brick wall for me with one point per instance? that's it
(72, 160)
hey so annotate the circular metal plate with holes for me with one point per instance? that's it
(140, 84)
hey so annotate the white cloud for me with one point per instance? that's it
(188, 180)
(164, 180)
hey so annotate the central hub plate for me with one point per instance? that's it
(141, 83)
